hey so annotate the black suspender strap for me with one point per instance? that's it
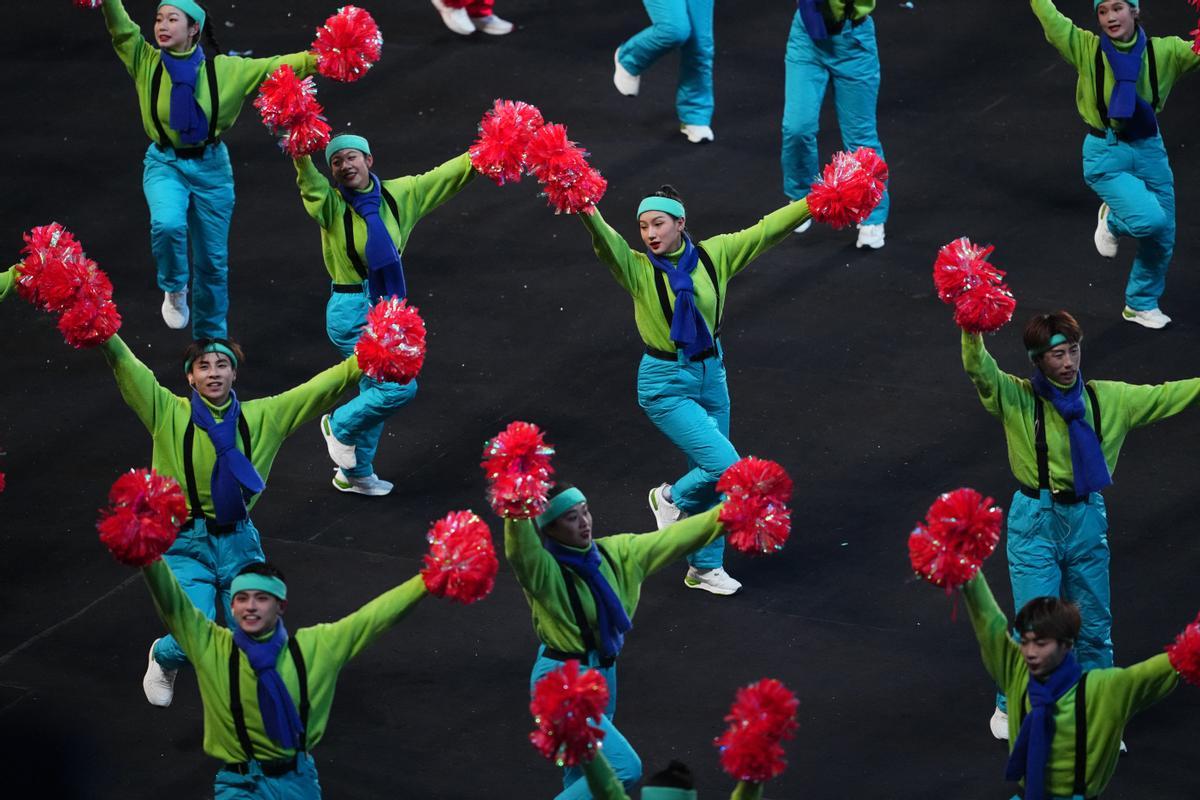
(235, 704)
(1081, 737)
(585, 630)
(155, 86)
(1095, 412)
(661, 285)
(214, 99)
(1039, 444)
(1153, 72)
(302, 677)
(348, 225)
(189, 468)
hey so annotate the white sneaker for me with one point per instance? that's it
(1106, 243)
(626, 82)
(665, 513)
(158, 683)
(870, 236)
(999, 724)
(1153, 319)
(714, 581)
(804, 226)
(491, 24)
(697, 133)
(371, 485)
(456, 19)
(175, 309)
(342, 454)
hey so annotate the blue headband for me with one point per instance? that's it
(561, 504)
(256, 582)
(664, 204)
(212, 347)
(346, 141)
(667, 793)
(1133, 3)
(1055, 341)
(188, 7)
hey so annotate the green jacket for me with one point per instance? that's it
(8, 282)
(605, 785)
(636, 557)
(1114, 695)
(858, 9)
(730, 253)
(237, 78)
(269, 419)
(326, 649)
(1123, 407)
(415, 196)
(1173, 55)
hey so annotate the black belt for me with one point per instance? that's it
(663, 355)
(582, 658)
(1099, 134)
(348, 288)
(1063, 498)
(272, 769)
(212, 526)
(186, 153)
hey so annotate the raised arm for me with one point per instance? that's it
(140, 389)
(291, 409)
(995, 387)
(248, 73)
(187, 624)
(601, 780)
(347, 637)
(1001, 656)
(1146, 404)
(531, 563)
(731, 252)
(613, 252)
(1076, 45)
(321, 200)
(421, 194)
(127, 37)
(1142, 685)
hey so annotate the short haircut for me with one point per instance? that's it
(263, 568)
(668, 191)
(677, 775)
(1042, 328)
(199, 347)
(1049, 618)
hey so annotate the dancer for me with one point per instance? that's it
(1064, 436)
(688, 26)
(678, 291)
(188, 99)
(1124, 79)
(365, 223)
(831, 40)
(221, 451)
(464, 17)
(583, 593)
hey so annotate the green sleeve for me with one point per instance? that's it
(321, 200)
(1001, 656)
(613, 252)
(291, 409)
(653, 551)
(427, 191)
(1142, 685)
(140, 389)
(247, 74)
(346, 638)
(531, 563)
(1186, 59)
(127, 37)
(993, 385)
(745, 790)
(1076, 45)
(8, 279)
(1146, 404)
(189, 626)
(602, 781)
(731, 252)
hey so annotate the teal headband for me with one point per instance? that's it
(345, 141)
(1055, 341)
(254, 582)
(1133, 3)
(667, 793)
(189, 7)
(561, 504)
(664, 204)
(212, 347)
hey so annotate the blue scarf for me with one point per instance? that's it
(611, 618)
(234, 478)
(276, 706)
(1032, 748)
(1088, 467)
(1137, 116)
(814, 23)
(187, 118)
(385, 272)
(688, 328)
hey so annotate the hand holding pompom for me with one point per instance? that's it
(504, 135)
(755, 511)
(567, 706)
(850, 187)
(984, 309)
(392, 345)
(965, 279)
(56, 276)
(347, 45)
(289, 108)
(461, 563)
(143, 518)
(961, 529)
(572, 186)
(1184, 653)
(517, 466)
(761, 717)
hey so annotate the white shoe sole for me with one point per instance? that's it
(710, 589)
(1106, 243)
(334, 447)
(150, 686)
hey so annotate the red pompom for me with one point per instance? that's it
(761, 717)
(517, 465)
(144, 515)
(289, 108)
(461, 563)
(88, 4)
(567, 705)
(984, 309)
(873, 163)
(755, 511)
(572, 185)
(306, 137)
(961, 266)
(961, 529)
(847, 191)
(576, 192)
(392, 345)
(56, 276)
(2, 484)
(504, 135)
(1184, 653)
(89, 322)
(347, 45)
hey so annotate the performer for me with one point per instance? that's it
(688, 26)
(1064, 436)
(831, 40)
(221, 451)
(464, 17)
(365, 223)
(673, 783)
(678, 289)
(583, 593)
(1124, 79)
(188, 99)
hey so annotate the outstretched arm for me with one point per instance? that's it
(347, 637)
(1146, 404)
(732, 252)
(187, 624)
(653, 551)
(249, 73)
(613, 252)
(291, 409)
(140, 389)
(1076, 45)
(127, 37)
(1001, 656)
(423, 193)
(321, 200)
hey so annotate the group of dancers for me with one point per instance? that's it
(267, 692)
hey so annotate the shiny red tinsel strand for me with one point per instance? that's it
(961, 529)
(56, 276)
(847, 191)
(143, 517)
(572, 186)
(755, 512)
(761, 717)
(289, 108)
(348, 44)
(88, 4)
(567, 705)
(516, 463)
(504, 135)
(962, 265)
(873, 164)
(1184, 653)
(392, 345)
(461, 563)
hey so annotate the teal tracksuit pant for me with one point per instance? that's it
(1135, 180)
(191, 205)
(850, 59)
(1059, 550)
(620, 754)
(687, 25)
(205, 565)
(299, 784)
(689, 402)
(360, 421)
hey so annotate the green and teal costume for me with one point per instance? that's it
(605, 785)
(189, 185)
(8, 282)
(553, 590)
(254, 765)
(1058, 542)
(1111, 697)
(688, 398)
(686, 25)
(360, 421)
(1131, 175)
(207, 556)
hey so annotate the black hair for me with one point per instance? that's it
(207, 30)
(677, 775)
(263, 568)
(197, 349)
(670, 192)
(1050, 618)
(558, 488)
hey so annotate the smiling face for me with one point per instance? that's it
(172, 31)
(256, 612)
(1061, 363)
(1118, 19)
(574, 528)
(351, 168)
(661, 233)
(1042, 655)
(212, 375)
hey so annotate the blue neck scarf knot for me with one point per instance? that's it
(234, 479)
(688, 328)
(611, 620)
(187, 118)
(813, 21)
(1137, 116)
(1088, 467)
(1031, 751)
(385, 271)
(276, 706)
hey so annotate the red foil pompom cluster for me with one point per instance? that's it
(392, 345)
(289, 108)
(1196, 33)
(965, 279)
(461, 563)
(1184, 653)
(56, 276)
(755, 511)
(960, 530)
(348, 44)
(850, 187)
(516, 463)
(763, 714)
(88, 4)
(504, 133)
(567, 705)
(143, 517)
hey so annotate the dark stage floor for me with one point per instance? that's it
(843, 366)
